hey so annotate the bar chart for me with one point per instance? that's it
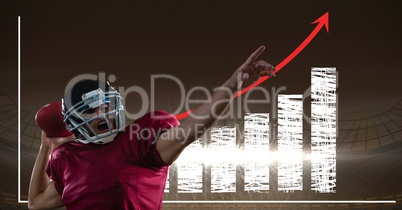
(245, 150)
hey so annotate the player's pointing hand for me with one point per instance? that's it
(250, 71)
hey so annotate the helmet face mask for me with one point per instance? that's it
(97, 117)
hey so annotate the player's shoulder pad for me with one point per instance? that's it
(66, 149)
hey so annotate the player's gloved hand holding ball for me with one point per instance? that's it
(50, 119)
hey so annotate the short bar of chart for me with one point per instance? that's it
(223, 170)
(256, 148)
(189, 169)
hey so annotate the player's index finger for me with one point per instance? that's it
(255, 55)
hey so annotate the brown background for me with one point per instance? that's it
(202, 43)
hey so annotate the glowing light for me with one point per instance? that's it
(256, 148)
(290, 143)
(323, 129)
(223, 171)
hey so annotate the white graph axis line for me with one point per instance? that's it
(290, 201)
(19, 112)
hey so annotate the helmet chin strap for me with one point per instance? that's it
(104, 140)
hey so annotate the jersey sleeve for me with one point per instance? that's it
(53, 171)
(143, 134)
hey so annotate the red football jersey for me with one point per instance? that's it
(127, 173)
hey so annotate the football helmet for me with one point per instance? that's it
(93, 110)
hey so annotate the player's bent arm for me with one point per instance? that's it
(47, 199)
(42, 193)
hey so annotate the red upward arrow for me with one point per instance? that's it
(323, 20)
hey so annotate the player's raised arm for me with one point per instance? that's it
(42, 193)
(176, 139)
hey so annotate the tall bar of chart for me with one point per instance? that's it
(323, 129)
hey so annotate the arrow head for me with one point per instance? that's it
(323, 20)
